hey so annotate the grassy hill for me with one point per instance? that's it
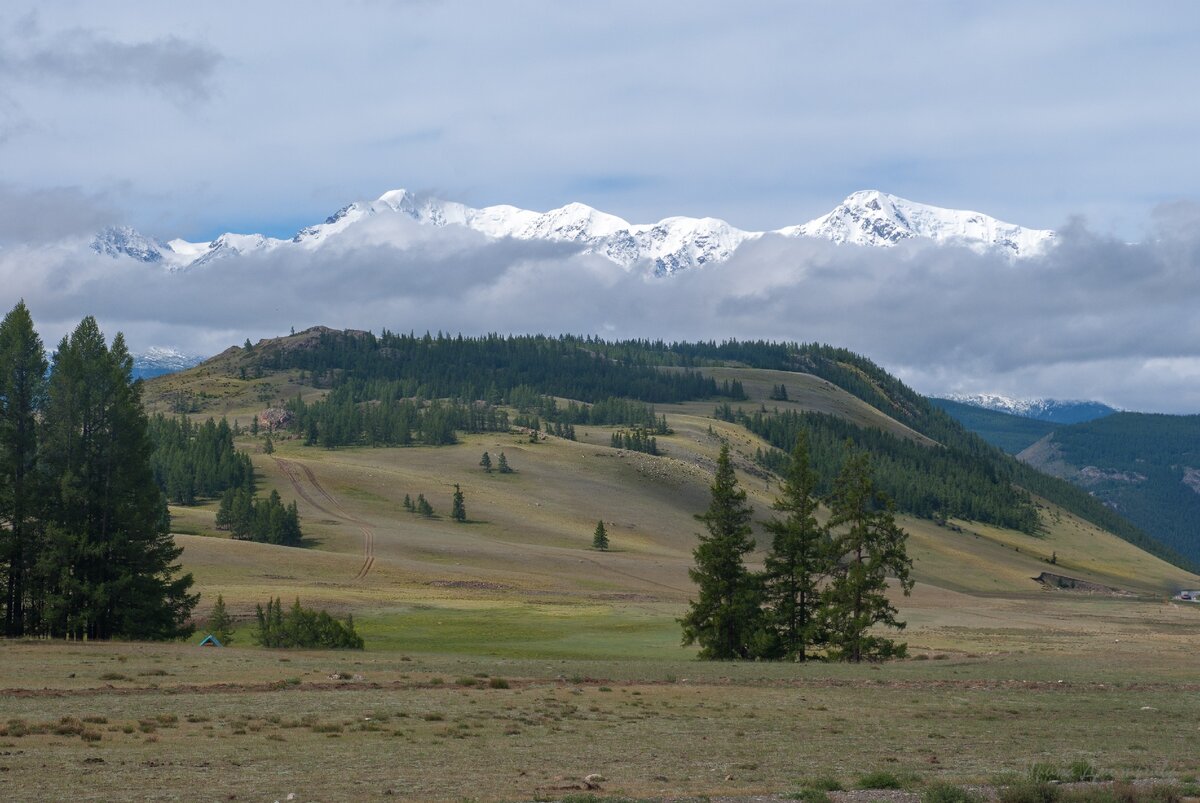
(519, 578)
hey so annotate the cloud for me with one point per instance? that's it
(1094, 317)
(179, 69)
(51, 214)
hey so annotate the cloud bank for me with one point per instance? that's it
(1093, 318)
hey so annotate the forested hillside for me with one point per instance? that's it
(1146, 467)
(395, 389)
(1012, 433)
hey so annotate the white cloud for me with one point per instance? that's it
(1093, 318)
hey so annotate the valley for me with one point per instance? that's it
(506, 659)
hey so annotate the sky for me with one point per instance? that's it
(192, 120)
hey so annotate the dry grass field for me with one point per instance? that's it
(506, 659)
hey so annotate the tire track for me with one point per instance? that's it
(292, 471)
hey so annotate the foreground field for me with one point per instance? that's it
(126, 721)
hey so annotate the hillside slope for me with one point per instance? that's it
(1146, 467)
(521, 570)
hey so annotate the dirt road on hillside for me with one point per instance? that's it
(298, 474)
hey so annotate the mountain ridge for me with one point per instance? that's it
(867, 218)
(1057, 411)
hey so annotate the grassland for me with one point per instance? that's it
(506, 659)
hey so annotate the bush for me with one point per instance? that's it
(1080, 771)
(810, 796)
(1044, 773)
(1029, 792)
(497, 683)
(879, 780)
(949, 793)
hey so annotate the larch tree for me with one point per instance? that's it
(600, 537)
(22, 395)
(723, 619)
(799, 559)
(458, 511)
(870, 547)
(110, 563)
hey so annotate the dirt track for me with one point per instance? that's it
(293, 471)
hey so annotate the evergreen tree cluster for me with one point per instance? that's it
(372, 414)
(266, 521)
(489, 367)
(421, 506)
(929, 481)
(304, 628)
(85, 549)
(606, 412)
(779, 392)
(192, 461)
(639, 440)
(823, 588)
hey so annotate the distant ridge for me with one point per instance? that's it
(1053, 410)
(868, 218)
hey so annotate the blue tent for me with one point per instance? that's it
(211, 641)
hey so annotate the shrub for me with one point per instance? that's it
(497, 683)
(810, 796)
(948, 793)
(1044, 773)
(304, 627)
(879, 780)
(1081, 771)
(1029, 792)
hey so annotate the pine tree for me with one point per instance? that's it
(503, 466)
(870, 546)
(423, 506)
(723, 619)
(220, 623)
(486, 462)
(459, 510)
(110, 564)
(408, 504)
(799, 559)
(22, 397)
(600, 537)
(268, 445)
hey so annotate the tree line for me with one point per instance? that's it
(823, 587)
(485, 368)
(266, 521)
(192, 461)
(84, 544)
(359, 414)
(926, 480)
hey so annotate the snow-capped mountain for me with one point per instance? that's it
(156, 361)
(869, 218)
(1053, 410)
(874, 218)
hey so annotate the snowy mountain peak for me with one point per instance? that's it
(1054, 410)
(866, 218)
(121, 240)
(875, 218)
(156, 361)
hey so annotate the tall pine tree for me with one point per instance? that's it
(800, 558)
(870, 546)
(22, 395)
(109, 565)
(723, 619)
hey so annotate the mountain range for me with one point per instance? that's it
(868, 218)
(1056, 411)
